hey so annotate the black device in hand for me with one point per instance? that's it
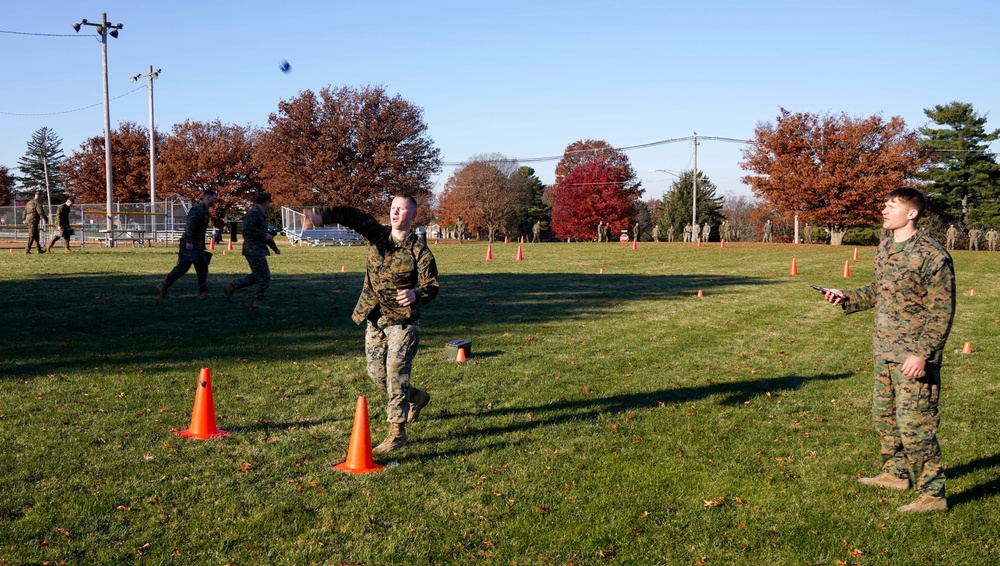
(271, 244)
(825, 291)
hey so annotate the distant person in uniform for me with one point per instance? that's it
(607, 231)
(706, 232)
(768, 232)
(65, 232)
(656, 232)
(687, 232)
(974, 235)
(950, 236)
(192, 248)
(635, 233)
(536, 231)
(991, 239)
(400, 279)
(914, 297)
(34, 213)
(256, 241)
(807, 232)
(460, 229)
(670, 233)
(600, 231)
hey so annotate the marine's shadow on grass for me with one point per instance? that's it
(81, 321)
(976, 492)
(500, 421)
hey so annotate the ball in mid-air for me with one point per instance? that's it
(285, 67)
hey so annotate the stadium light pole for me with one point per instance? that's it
(694, 188)
(104, 29)
(152, 144)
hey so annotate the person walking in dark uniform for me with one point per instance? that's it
(914, 297)
(33, 215)
(65, 232)
(256, 241)
(192, 248)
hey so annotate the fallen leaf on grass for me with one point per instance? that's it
(542, 510)
(123, 508)
(245, 467)
(62, 532)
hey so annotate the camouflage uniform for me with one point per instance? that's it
(64, 229)
(914, 294)
(807, 232)
(991, 239)
(393, 331)
(974, 239)
(706, 232)
(255, 250)
(670, 233)
(194, 233)
(950, 237)
(687, 232)
(33, 214)
(536, 231)
(768, 233)
(656, 232)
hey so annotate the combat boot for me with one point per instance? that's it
(395, 439)
(228, 291)
(925, 503)
(48, 248)
(259, 304)
(418, 400)
(887, 481)
(161, 290)
(202, 294)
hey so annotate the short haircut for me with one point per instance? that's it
(210, 192)
(409, 199)
(70, 199)
(263, 198)
(910, 197)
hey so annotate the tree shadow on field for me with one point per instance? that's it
(976, 492)
(485, 423)
(74, 322)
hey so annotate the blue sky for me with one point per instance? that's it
(523, 79)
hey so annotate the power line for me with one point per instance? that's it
(39, 34)
(74, 110)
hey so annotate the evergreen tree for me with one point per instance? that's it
(537, 210)
(44, 152)
(964, 175)
(675, 210)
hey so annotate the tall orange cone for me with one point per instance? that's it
(522, 239)
(230, 242)
(699, 242)
(967, 348)
(506, 240)
(211, 243)
(359, 451)
(203, 416)
(847, 268)
(795, 269)
(972, 292)
(520, 254)
(722, 243)
(634, 244)
(460, 356)
(343, 269)
(700, 294)
(855, 258)
(489, 252)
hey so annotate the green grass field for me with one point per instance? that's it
(603, 418)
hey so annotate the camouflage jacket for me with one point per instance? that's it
(391, 266)
(914, 294)
(33, 211)
(255, 233)
(194, 231)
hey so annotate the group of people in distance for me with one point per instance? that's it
(992, 236)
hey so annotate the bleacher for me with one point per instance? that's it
(327, 236)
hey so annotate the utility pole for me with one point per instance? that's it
(152, 146)
(694, 192)
(104, 29)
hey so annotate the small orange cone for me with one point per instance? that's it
(967, 348)
(489, 252)
(343, 269)
(460, 356)
(223, 252)
(972, 292)
(601, 272)
(855, 258)
(722, 243)
(211, 243)
(359, 451)
(847, 268)
(203, 415)
(795, 269)
(634, 243)
(230, 242)
(11, 250)
(700, 294)
(699, 242)
(522, 239)
(506, 240)
(520, 254)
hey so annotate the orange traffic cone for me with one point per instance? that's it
(795, 268)
(506, 240)
(230, 242)
(489, 252)
(699, 242)
(520, 254)
(203, 416)
(634, 244)
(700, 294)
(855, 258)
(847, 268)
(343, 269)
(211, 243)
(601, 272)
(722, 243)
(972, 292)
(11, 250)
(967, 348)
(359, 452)
(522, 239)
(460, 356)
(223, 252)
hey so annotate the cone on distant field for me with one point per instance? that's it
(699, 242)
(855, 258)
(601, 272)
(722, 243)
(520, 254)
(635, 242)
(11, 250)
(967, 348)
(489, 252)
(359, 451)
(211, 243)
(230, 242)
(506, 240)
(460, 356)
(972, 292)
(522, 239)
(700, 294)
(203, 415)
(223, 252)
(847, 268)
(343, 269)
(795, 268)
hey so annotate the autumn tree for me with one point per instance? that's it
(605, 189)
(489, 192)
(211, 155)
(84, 170)
(593, 192)
(738, 211)
(963, 171)
(677, 205)
(347, 146)
(6, 186)
(40, 165)
(834, 170)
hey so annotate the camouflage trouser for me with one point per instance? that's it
(260, 275)
(182, 267)
(34, 237)
(906, 420)
(390, 353)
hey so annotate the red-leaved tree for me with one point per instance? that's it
(834, 170)
(590, 193)
(84, 171)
